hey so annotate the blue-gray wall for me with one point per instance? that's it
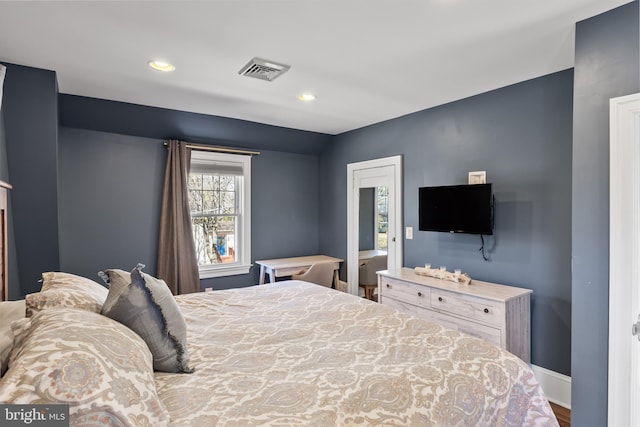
(162, 123)
(521, 135)
(110, 197)
(30, 110)
(112, 161)
(109, 201)
(607, 65)
(285, 178)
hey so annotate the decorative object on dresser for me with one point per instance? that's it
(457, 276)
(497, 313)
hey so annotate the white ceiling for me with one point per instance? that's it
(366, 60)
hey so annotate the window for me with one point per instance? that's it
(382, 217)
(220, 203)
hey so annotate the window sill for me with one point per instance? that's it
(207, 272)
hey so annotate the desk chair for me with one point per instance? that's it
(320, 273)
(367, 277)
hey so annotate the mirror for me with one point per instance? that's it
(373, 224)
(385, 176)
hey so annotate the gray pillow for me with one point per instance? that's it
(147, 307)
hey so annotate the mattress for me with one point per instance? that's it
(295, 353)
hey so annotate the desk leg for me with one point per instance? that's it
(261, 282)
(336, 279)
(272, 275)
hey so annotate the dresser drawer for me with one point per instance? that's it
(469, 307)
(404, 307)
(405, 292)
(487, 333)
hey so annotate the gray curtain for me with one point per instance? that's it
(177, 262)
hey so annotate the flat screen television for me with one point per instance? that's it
(457, 209)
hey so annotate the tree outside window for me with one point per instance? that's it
(382, 208)
(213, 203)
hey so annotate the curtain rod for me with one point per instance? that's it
(220, 149)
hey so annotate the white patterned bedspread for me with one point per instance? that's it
(294, 353)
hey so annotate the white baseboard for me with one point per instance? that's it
(556, 386)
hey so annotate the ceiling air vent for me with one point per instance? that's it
(263, 69)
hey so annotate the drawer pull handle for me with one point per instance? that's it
(388, 286)
(486, 310)
(440, 299)
(419, 294)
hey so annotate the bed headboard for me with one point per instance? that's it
(4, 284)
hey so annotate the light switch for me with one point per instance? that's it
(409, 233)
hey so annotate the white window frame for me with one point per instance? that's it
(243, 239)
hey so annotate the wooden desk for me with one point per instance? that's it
(289, 266)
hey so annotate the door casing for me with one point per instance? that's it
(366, 174)
(624, 261)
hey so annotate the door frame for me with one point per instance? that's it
(353, 220)
(624, 253)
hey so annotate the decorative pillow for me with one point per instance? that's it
(147, 307)
(9, 311)
(117, 281)
(66, 290)
(90, 362)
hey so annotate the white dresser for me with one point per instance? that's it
(497, 313)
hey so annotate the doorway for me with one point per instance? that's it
(378, 185)
(624, 264)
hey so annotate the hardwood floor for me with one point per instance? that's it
(562, 414)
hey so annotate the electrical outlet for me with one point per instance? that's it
(409, 233)
(208, 289)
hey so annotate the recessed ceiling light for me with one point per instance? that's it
(307, 97)
(161, 66)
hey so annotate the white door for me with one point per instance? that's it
(624, 262)
(377, 174)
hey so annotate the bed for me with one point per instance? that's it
(289, 353)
